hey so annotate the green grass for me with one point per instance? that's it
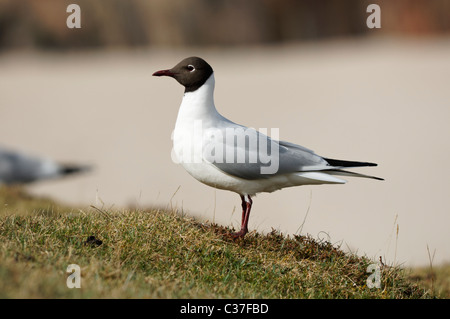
(158, 254)
(434, 278)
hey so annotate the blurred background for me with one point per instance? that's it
(346, 91)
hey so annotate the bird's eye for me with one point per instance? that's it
(190, 67)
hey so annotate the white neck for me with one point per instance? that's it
(198, 104)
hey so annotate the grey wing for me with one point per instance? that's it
(18, 168)
(253, 155)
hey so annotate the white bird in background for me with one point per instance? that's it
(229, 156)
(20, 168)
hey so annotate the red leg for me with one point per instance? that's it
(246, 207)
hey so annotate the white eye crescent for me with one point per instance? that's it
(191, 68)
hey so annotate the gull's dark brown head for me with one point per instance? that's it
(192, 73)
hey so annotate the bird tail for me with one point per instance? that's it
(341, 172)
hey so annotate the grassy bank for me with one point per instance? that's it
(159, 254)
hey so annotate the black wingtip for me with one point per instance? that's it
(73, 169)
(341, 163)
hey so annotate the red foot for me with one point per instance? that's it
(239, 234)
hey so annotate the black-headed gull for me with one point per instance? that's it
(229, 156)
(20, 168)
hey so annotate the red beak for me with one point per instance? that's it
(164, 73)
